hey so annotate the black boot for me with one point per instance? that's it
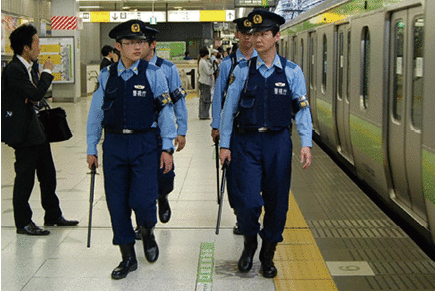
(128, 263)
(149, 244)
(266, 257)
(164, 208)
(245, 261)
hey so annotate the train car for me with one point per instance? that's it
(370, 84)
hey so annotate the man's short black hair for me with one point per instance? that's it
(106, 50)
(22, 36)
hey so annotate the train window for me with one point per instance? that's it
(398, 87)
(417, 79)
(286, 50)
(295, 46)
(301, 63)
(365, 66)
(324, 63)
(340, 64)
(348, 66)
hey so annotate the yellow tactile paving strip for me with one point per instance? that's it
(298, 260)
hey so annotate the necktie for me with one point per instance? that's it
(34, 72)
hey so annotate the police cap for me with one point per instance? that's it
(263, 20)
(132, 29)
(150, 33)
(243, 25)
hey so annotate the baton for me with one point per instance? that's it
(221, 196)
(216, 146)
(91, 202)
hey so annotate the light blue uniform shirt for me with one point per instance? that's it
(221, 86)
(296, 81)
(158, 85)
(174, 82)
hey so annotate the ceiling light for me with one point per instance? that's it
(177, 7)
(89, 7)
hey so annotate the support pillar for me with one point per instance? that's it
(68, 92)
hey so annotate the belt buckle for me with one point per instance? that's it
(127, 131)
(263, 129)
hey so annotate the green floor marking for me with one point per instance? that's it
(204, 278)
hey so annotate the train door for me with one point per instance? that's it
(311, 76)
(342, 104)
(405, 108)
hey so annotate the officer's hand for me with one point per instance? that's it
(215, 135)
(225, 154)
(306, 157)
(180, 141)
(92, 160)
(166, 162)
(48, 65)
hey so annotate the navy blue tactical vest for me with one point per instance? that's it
(128, 104)
(265, 102)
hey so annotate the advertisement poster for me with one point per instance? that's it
(60, 50)
(171, 50)
(9, 24)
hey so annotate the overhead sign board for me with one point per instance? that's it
(254, 3)
(183, 16)
(121, 16)
(160, 16)
(213, 15)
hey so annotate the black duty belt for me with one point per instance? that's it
(128, 131)
(261, 129)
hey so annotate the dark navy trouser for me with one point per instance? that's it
(130, 171)
(262, 170)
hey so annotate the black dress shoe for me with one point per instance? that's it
(32, 230)
(61, 221)
(164, 209)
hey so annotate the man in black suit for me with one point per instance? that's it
(107, 53)
(22, 89)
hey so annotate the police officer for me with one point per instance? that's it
(131, 93)
(178, 94)
(244, 52)
(264, 92)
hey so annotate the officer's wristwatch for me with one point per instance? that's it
(170, 151)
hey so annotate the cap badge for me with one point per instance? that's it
(257, 19)
(135, 28)
(247, 23)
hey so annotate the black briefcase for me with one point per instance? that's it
(55, 124)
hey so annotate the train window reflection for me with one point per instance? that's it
(398, 87)
(311, 60)
(324, 63)
(365, 66)
(348, 66)
(417, 78)
(340, 65)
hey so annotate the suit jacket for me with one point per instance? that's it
(20, 124)
(104, 63)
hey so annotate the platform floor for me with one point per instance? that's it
(335, 237)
